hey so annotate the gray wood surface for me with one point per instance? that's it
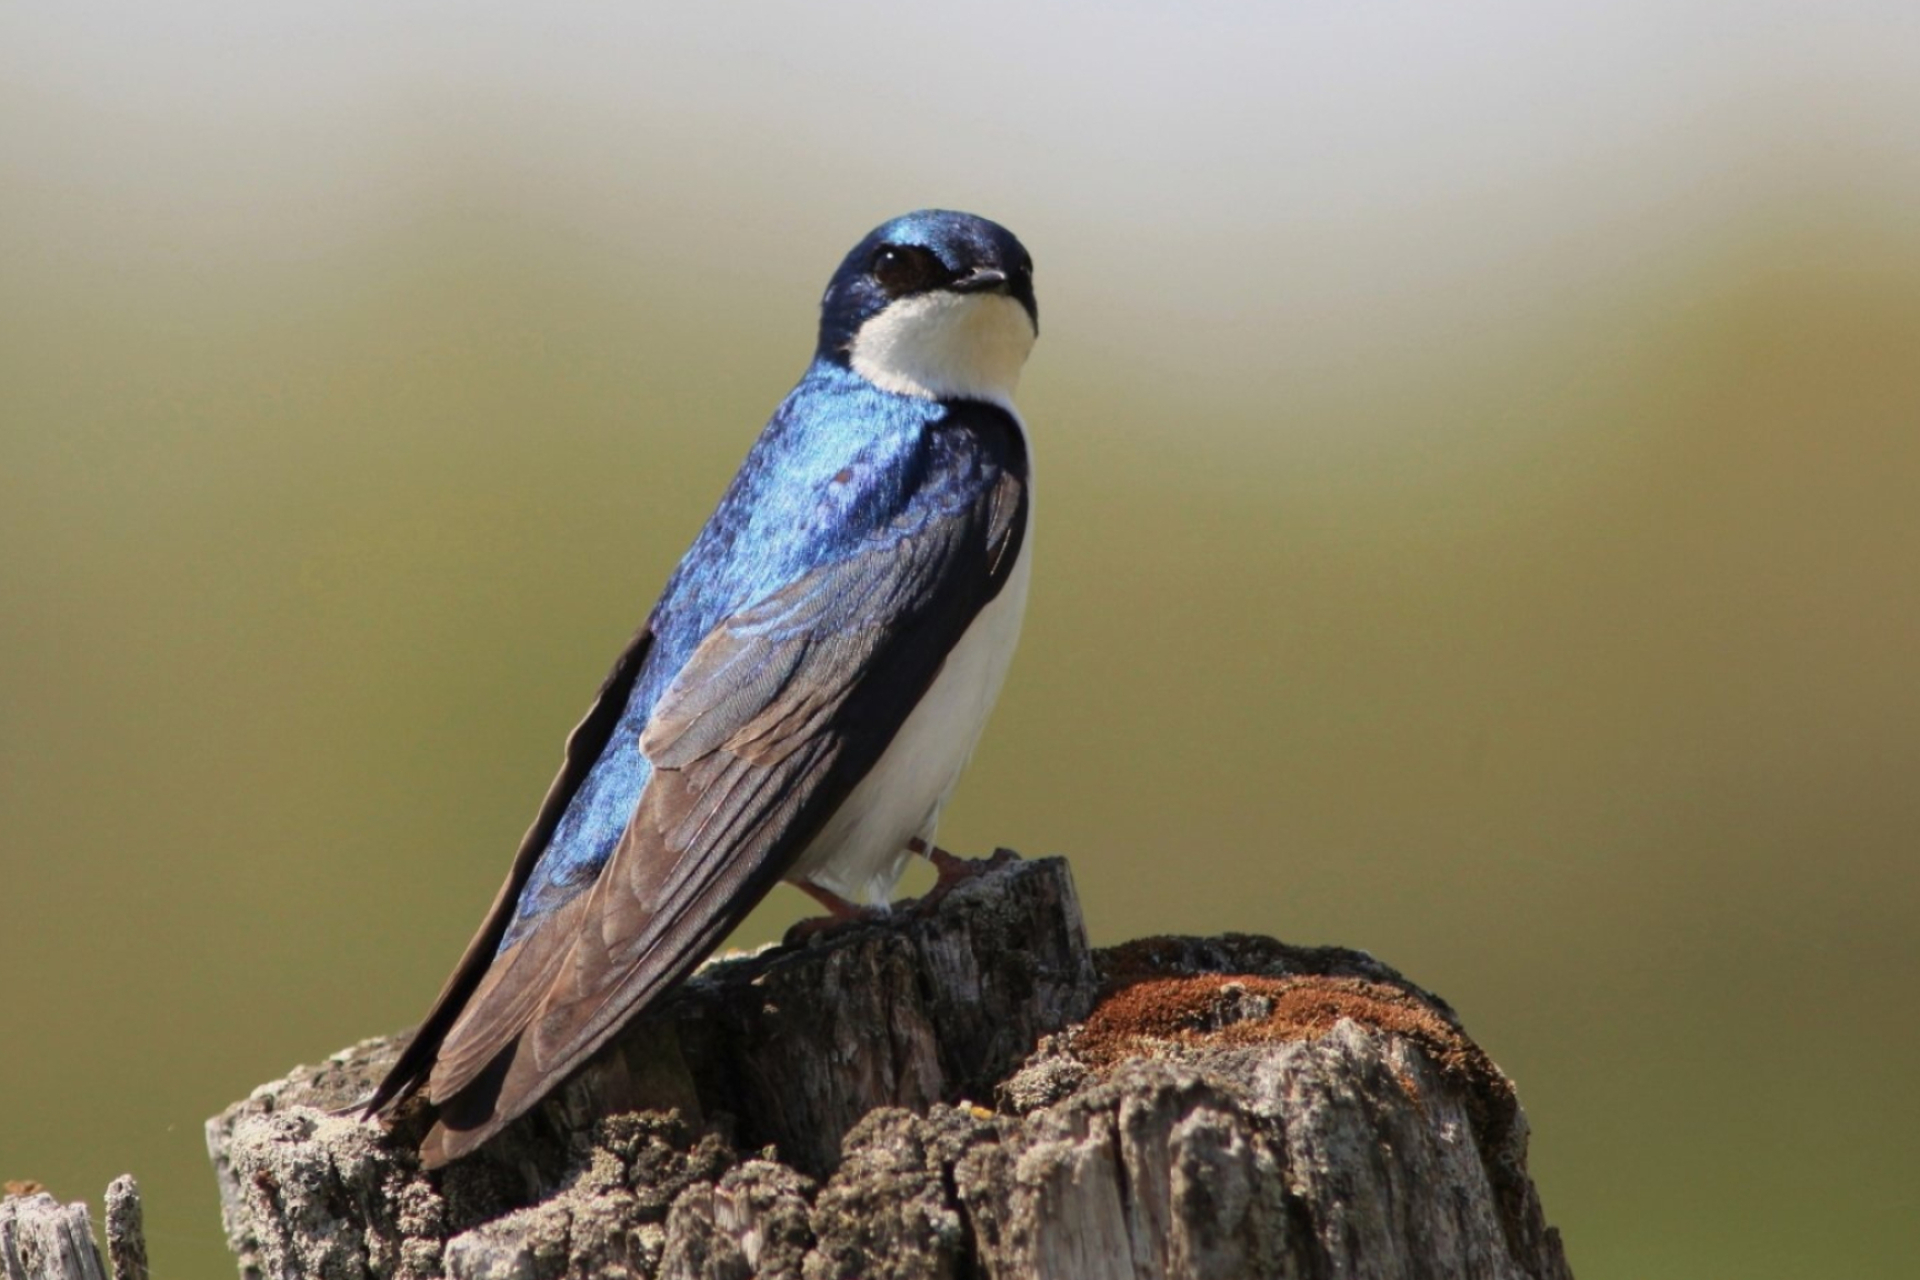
(972, 1092)
(42, 1239)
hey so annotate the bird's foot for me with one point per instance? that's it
(953, 871)
(841, 914)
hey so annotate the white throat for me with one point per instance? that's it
(944, 345)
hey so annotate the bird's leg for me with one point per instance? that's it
(840, 912)
(953, 870)
(837, 907)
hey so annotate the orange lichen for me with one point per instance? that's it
(1148, 1014)
(1234, 1009)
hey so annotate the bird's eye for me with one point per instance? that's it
(905, 268)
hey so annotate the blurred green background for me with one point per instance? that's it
(1479, 522)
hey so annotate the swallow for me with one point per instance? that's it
(803, 696)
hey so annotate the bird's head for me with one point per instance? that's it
(936, 304)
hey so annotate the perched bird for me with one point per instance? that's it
(802, 698)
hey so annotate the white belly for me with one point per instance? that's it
(863, 849)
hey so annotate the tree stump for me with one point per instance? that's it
(42, 1239)
(967, 1092)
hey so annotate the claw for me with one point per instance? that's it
(954, 870)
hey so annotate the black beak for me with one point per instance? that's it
(981, 280)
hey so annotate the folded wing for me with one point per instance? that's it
(775, 717)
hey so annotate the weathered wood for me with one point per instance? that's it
(42, 1239)
(126, 1230)
(971, 1092)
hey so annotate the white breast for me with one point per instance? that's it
(944, 345)
(863, 849)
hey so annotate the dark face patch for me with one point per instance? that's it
(901, 269)
(916, 254)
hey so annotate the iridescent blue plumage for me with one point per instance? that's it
(836, 467)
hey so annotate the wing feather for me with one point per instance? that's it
(584, 745)
(774, 718)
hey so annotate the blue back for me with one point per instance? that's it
(839, 462)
